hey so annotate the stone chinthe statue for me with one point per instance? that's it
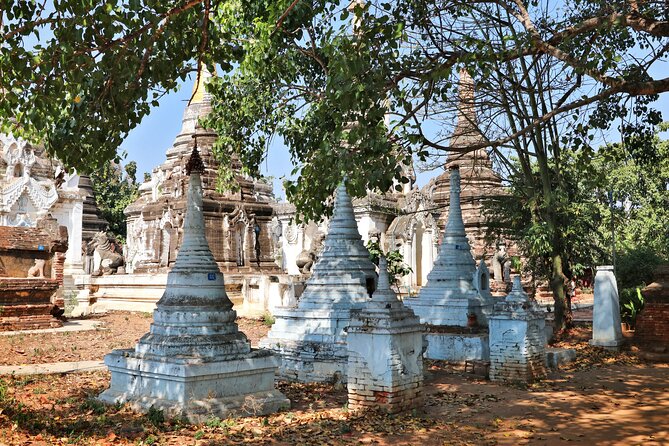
(194, 362)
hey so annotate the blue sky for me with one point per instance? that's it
(148, 142)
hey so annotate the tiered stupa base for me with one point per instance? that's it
(448, 336)
(194, 389)
(310, 344)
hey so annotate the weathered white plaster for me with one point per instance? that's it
(606, 329)
(517, 338)
(385, 352)
(457, 347)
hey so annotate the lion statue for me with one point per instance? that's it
(110, 261)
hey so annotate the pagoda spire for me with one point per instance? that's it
(199, 93)
(466, 105)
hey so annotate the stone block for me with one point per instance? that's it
(556, 357)
(455, 347)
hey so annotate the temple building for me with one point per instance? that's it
(34, 186)
(238, 223)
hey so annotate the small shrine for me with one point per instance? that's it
(31, 273)
(34, 185)
(517, 338)
(311, 338)
(194, 362)
(385, 352)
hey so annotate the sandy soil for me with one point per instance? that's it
(603, 398)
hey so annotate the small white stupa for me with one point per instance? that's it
(194, 362)
(455, 289)
(456, 301)
(311, 338)
(517, 338)
(385, 343)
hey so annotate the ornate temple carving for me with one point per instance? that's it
(33, 185)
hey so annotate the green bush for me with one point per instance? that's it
(396, 266)
(631, 303)
(268, 319)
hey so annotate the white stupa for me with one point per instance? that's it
(311, 338)
(450, 294)
(194, 362)
(385, 343)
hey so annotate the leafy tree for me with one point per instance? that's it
(80, 75)
(583, 216)
(639, 183)
(113, 193)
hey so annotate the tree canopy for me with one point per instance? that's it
(80, 75)
(113, 193)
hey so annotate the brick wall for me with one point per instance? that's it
(517, 350)
(26, 303)
(652, 324)
(399, 393)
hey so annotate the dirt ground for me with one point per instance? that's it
(603, 398)
(117, 330)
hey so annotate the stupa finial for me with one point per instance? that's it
(517, 293)
(384, 282)
(466, 109)
(195, 163)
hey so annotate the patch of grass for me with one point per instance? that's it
(96, 406)
(213, 422)
(151, 439)
(268, 319)
(198, 435)
(3, 391)
(155, 416)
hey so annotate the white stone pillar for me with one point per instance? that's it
(606, 329)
